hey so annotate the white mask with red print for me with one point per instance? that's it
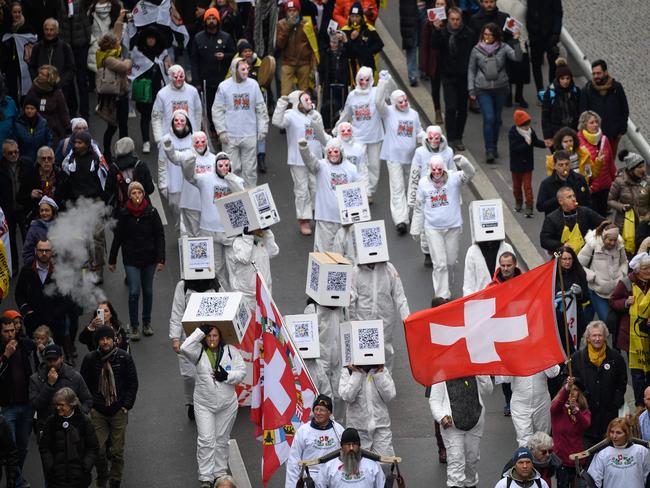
(333, 151)
(434, 136)
(345, 131)
(437, 168)
(200, 142)
(399, 99)
(222, 166)
(177, 76)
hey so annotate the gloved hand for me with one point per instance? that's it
(205, 328)
(166, 142)
(223, 138)
(384, 75)
(302, 143)
(261, 136)
(220, 374)
(576, 290)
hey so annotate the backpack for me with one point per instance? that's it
(536, 480)
(122, 179)
(551, 93)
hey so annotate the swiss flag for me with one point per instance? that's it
(508, 329)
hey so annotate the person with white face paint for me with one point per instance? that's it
(361, 111)
(190, 200)
(241, 119)
(403, 128)
(437, 210)
(332, 171)
(300, 121)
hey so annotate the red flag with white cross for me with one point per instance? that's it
(507, 329)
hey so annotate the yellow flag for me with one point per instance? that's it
(629, 231)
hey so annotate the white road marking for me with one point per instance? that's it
(236, 465)
(157, 203)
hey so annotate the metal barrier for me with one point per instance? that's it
(579, 59)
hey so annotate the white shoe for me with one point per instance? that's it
(146, 148)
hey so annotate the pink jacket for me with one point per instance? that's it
(608, 172)
(567, 436)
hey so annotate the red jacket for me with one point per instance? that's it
(567, 436)
(342, 11)
(608, 172)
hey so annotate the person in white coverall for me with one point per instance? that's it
(170, 175)
(190, 202)
(437, 210)
(344, 243)
(219, 367)
(403, 130)
(376, 291)
(361, 110)
(331, 171)
(366, 391)
(241, 119)
(182, 293)
(478, 274)
(313, 440)
(301, 122)
(457, 405)
(530, 405)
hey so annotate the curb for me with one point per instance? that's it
(480, 185)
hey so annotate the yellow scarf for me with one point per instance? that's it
(596, 357)
(102, 55)
(592, 139)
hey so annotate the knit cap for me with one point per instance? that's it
(135, 185)
(84, 136)
(323, 401)
(124, 146)
(356, 9)
(522, 453)
(350, 436)
(521, 117)
(562, 68)
(49, 201)
(293, 4)
(33, 100)
(630, 159)
(104, 331)
(212, 12)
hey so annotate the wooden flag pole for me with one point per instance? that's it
(566, 325)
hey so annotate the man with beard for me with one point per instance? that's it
(606, 96)
(403, 128)
(170, 174)
(350, 468)
(300, 121)
(112, 380)
(241, 119)
(331, 171)
(437, 210)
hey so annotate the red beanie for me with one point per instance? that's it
(521, 117)
(212, 11)
(293, 4)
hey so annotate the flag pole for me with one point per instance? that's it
(566, 325)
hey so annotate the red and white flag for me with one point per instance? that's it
(508, 329)
(283, 392)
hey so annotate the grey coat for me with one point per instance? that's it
(488, 72)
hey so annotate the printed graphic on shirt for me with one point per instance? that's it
(438, 197)
(220, 191)
(621, 460)
(241, 101)
(361, 112)
(324, 442)
(405, 128)
(351, 477)
(200, 169)
(337, 179)
(352, 159)
(309, 132)
(180, 105)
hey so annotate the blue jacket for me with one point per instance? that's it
(31, 137)
(36, 232)
(9, 112)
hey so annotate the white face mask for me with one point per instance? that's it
(180, 122)
(345, 131)
(434, 138)
(306, 103)
(403, 103)
(200, 143)
(223, 167)
(178, 78)
(334, 155)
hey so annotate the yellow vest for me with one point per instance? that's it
(639, 341)
(572, 238)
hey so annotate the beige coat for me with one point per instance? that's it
(604, 267)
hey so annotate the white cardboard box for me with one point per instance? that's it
(197, 258)
(328, 279)
(362, 342)
(486, 220)
(227, 310)
(304, 332)
(353, 203)
(253, 208)
(370, 241)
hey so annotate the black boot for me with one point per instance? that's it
(261, 163)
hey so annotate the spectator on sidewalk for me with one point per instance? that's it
(562, 176)
(606, 96)
(544, 25)
(560, 103)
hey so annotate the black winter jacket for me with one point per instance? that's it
(522, 159)
(69, 449)
(612, 108)
(547, 193)
(124, 170)
(560, 108)
(7, 390)
(126, 380)
(205, 66)
(408, 23)
(543, 19)
(57, 53)
(8, 453)
(550, 237)
(76, 30)
(142, 239)
(32, 181)
(482, 17)
(8, 199)
(453, 62)
(41, 392)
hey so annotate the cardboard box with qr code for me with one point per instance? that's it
(253, 208)
(328, 279)
(196, 258)
(362, 343)
(353, 203)
(304, 332)
(226, 310)
(486, 220)
(370, 241)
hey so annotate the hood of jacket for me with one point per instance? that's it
(127, 161)
(441, 147)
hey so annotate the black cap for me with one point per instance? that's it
(52, 351)
(104, 331)
(323, 401)
(356, 8)
(350, 436)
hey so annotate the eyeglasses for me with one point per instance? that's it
(546, 452)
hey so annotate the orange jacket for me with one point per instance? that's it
(342, 11)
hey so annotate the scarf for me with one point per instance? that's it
(214, 358)
(15, 26)
(103, 10)
(107, 379)
(596, 357)
(527, 134)
(43, 87)
(604, 88)
(138, 210)
(593, 139)
(108, 53)
(453, 40)
(489, 48)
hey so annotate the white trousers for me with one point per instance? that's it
(173, 202)
(243, 158)
(443, 247)
(220, 242)
(189, 222)
(213, 433)
(188, 372)
(374, 168)
(304, 191)
(398, 178)
(379, 441)
(463, 453)
(528, 420)
(324, 235)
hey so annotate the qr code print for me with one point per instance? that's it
(313, 277)
(369, 338)
(301, 331)
(336, 280)
(371, 237)
(236, 214)
(212, 306)
(262, 202)
(352, 197)
(198, 250)
(347, 349)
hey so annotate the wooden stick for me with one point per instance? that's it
(367, 454)
(566, 325)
